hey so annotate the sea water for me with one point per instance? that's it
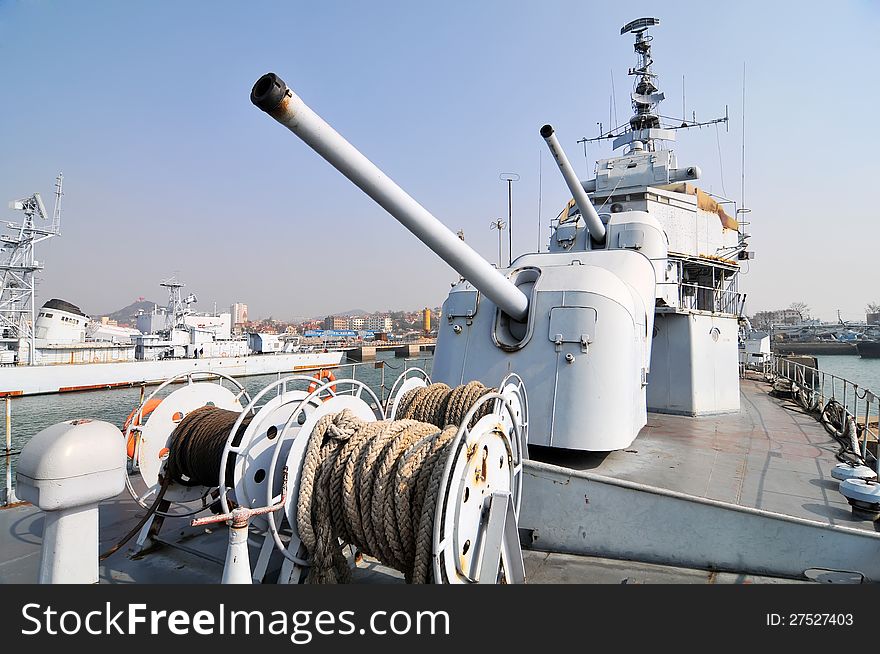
(32, 414)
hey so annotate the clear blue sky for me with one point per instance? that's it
(169, 168)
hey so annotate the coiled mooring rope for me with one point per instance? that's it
(373, 485)
(196, 445)
(441, 405)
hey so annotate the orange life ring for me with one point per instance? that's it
(132, 421)
(319, 379)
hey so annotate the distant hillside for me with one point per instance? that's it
(124, 315)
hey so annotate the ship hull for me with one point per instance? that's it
(869, 349)
(825, 348)
(39, 380)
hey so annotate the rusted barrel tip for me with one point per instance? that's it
(268, 92)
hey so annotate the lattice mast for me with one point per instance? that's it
(19, 267)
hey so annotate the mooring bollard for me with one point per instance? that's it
(67, 470)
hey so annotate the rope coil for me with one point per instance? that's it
(440, 405)
(196, 445)
(373, 485)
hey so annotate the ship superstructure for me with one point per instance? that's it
(698, 296)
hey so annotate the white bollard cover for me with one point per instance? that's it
(72, 464)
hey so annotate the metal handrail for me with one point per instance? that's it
(861, 405)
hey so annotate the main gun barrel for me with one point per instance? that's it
(588, 211)
(273, 96)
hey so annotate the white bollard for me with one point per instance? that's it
(67, 470)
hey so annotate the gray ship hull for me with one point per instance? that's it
(36, 380)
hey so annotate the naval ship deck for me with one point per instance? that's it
(771, 456)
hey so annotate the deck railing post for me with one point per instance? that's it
(9, 495)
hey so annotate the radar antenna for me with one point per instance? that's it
(646, 124)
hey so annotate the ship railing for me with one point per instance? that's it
(351, 370)
(695, 297)
(859, 404)
(358, 370)
(6, 493)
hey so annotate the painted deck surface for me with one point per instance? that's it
(190, 555)
(771, 455)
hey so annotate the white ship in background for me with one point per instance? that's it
(59, 349)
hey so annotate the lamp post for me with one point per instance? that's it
(510, 178)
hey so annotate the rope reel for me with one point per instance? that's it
(288, 450)
(409, 379)
(248, 459)
(434, 492)
(475, 534)
(151, 439)
(381, 486)
(440, 405)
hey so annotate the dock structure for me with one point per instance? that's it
(363, 353)
(407, 350)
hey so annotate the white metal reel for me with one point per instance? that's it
(155, 433)
(475, 522)
(252, 453)
(409, 379)
(513, 390)
(349, 395)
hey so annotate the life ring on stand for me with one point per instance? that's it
(132, 421)
(320, 378)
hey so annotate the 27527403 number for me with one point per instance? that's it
(809, 619)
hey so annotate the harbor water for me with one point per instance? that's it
(863, 372)
(32, 414)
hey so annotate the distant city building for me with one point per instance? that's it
(336, 322)
(380, 323)
(309, 325)
(872, 318)
(239, 313)
(357, 323)
(766, 319)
